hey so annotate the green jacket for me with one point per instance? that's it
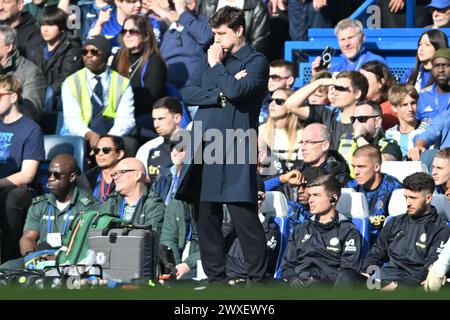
(174, 231)
(38, 213)
(150, 209)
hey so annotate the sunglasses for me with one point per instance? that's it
(94, 52)
(119, 173)
(58, 175)
(278, 101)
(277, 78)
(105, 150)
(362, 119)
(132, 32)
(341, 88)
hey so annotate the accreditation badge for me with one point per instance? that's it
(54, 239)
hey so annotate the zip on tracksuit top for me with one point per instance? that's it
(408, 245)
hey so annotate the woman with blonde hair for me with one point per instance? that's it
(282, 131)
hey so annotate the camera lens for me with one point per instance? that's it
(326, 57)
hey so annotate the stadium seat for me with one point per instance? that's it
(73, 145)
(55, 145)
(397, 205)
(402, 169)
(275, 204)
(354, 206)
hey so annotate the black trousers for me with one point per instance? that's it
(248, 229)
(14, 204)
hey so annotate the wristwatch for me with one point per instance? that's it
(222, 100)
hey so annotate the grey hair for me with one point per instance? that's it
(10, 36)
(325, 132)
(349, 23)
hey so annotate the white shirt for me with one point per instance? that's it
(441, 265)
(236, 4)
(144, 150)
(73, 123)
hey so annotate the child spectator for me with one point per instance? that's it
(58, 57)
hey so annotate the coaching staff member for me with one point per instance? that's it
(228, 86)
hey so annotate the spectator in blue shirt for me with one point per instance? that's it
(435, 99)
(377, 186)
(441, 170)
(351, 40)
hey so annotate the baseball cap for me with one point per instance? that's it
(439, 4)
(441, 53)
(101, 43)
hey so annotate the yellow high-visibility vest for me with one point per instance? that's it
(78, 85)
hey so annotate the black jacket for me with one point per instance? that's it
(66, 59)
(409, 246)
(88, 182)
(28, 34)
(320, 250)
(335, 165)
(256, 21)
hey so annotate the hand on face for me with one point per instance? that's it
(215, 54)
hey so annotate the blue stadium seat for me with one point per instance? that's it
(275, 204)
(354, 206)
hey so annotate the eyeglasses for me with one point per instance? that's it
(105, 150)
(131, 1)
(132, 32)
(362, 119)
(341, 88)
(278, 101)
(58, 175)
(119, 173)
(310, 142)
(432, 10)
(94, 52)
(277, 78)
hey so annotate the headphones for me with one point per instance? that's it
(333, 200)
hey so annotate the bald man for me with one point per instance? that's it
(61, 205)
(132, 200)
(317, 156)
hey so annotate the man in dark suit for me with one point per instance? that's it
(228, 86)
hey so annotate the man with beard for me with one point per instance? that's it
(50, 214)
(435, 99)
(411, 242)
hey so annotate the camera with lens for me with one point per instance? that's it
(326, 56)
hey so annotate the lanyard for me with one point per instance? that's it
(122, 207)
(102, 194)
(49, 222)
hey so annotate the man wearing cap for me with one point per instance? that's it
(440, 11)
(96, 99)
(50, 214)
(435, 99)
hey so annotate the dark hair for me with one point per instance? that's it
(118, 142)
(54, 16)
(329, 183)
(357, 80)
(419, 182)
(374, 105)
(233, 18)
(171, 103)
(280, 63)
(438, 39)
(148, 41)
(381, 71)
(369, 151)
